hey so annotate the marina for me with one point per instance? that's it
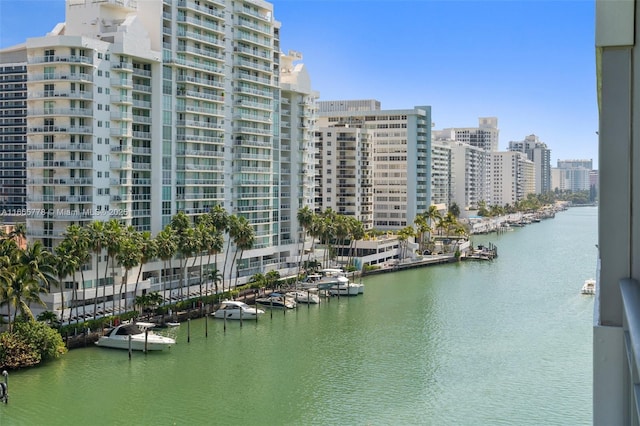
(458, 343)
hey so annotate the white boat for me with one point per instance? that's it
(276, 301)
(305, 296)
(139, 335)
(589, 287)
(343, 287)
(231, 309)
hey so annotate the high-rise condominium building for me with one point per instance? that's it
(13, 139)
(537, 152)
(297, 159)
(344, 172)
(485, 136)
(401, 143)
(573, 175)
(352, 106)
(471, 148)
(467, 174)
(442, 191)
(139, 109)
(513, 177)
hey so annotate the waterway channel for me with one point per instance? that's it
(507, 341)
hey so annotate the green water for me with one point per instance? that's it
(477, 343)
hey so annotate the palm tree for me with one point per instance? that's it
(432, 216)
(181, 224)
(129, 256)
(305, 219)
(215, 276)
(66, 264)
(234, 226)
(341, 231)
(220, 221)
(19, 234)
(78, 240)
(422, 228)
(148, 251)
(357, 233)
(212, 243)
(272, 278)
(244, 238)
(8, 263)
(24, 290)
(403, 236)
(97, 241)
(113, 236)
(258, 279)
(37, 263)
(166, 248)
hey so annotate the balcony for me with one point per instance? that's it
(74, 59)
(68, 164)
(72, 147)
(60, 76)
(82, 112)
(61, 129)
(71, 94)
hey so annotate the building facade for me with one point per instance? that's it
(537, 152)
(344, 173)
(485, 136)
(512, 178)
(401, 142)
(13, 130)
(138, 110)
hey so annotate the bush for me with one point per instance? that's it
(30, 343)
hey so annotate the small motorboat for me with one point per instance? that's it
(344, 287)
(231, 309)
(138, 336)
(276, 301)
(589, 287)
(305, 296)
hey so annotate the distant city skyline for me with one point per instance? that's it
(531, 64)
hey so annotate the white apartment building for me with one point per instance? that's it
(401, 141)
(297, 149)
(349, 105)
(485, 136)
(139, 109)
(344, 172)
(512, 178)
(468, 174)
(572, 177)
(442, 179)
(540, 154)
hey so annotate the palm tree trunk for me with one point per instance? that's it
(84, 306)
(224, 265)
(123, 283)
(95, 299)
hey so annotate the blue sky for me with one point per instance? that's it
(529, 63)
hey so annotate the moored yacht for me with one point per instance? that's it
(276, 301)
(231, 309)
(305, 296)
(344, 287)
(138, 336)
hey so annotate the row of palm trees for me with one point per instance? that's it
(330, 229)
(26, 274)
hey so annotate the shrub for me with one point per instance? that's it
(30, 343)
